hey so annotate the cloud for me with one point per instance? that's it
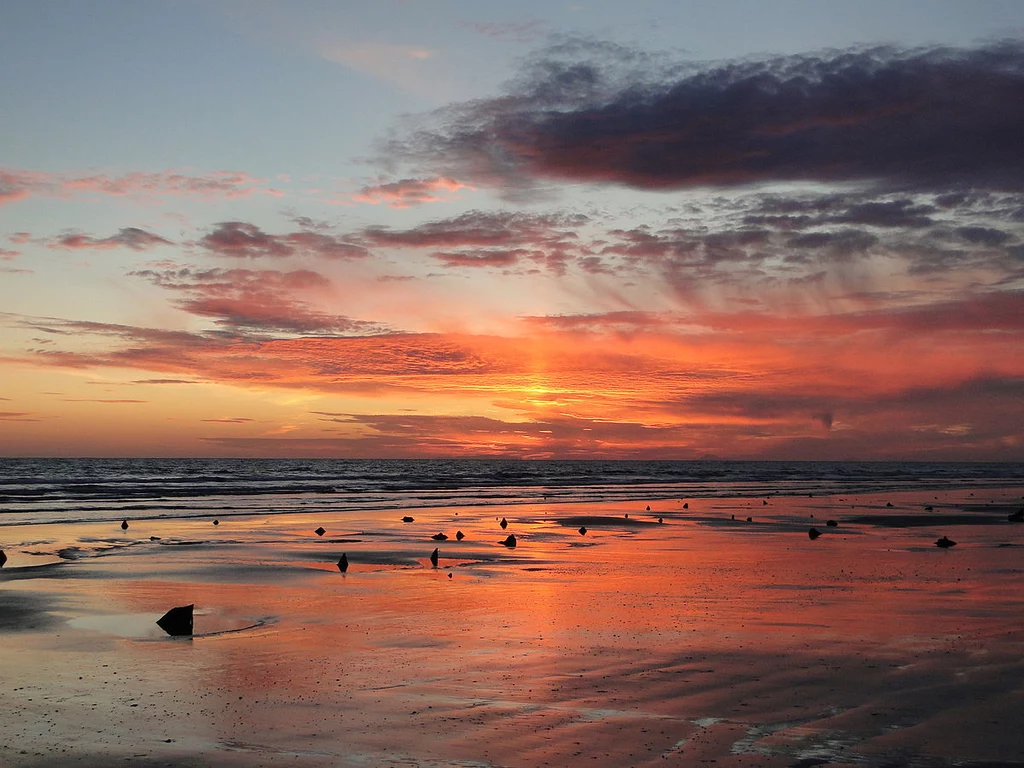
(17, 415)
(127, 237)
(261, 301)
(232, 420)
(518, 32)
(925, 118)
(409, 192)
(239, 239)
(6, 255)
(497, 258)
(121, 401)
(401, 66)
(17, 184)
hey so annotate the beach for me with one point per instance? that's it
(678, 635)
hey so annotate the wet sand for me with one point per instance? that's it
(701, 640)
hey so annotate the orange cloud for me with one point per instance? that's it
(409, 192)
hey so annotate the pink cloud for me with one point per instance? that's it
(6, 255)
(17, 184)
(409, 192)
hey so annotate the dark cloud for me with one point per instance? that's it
(127, 237)
(260, 301)
(496, 258)
(239, 239)
(480, 229)
(920, 118)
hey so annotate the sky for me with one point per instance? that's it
(660, 229)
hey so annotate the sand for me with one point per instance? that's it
(702, 640)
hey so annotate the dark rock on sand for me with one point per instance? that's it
(320, 531)
(831, 523)
(177, 621)
(459, 535)
(750, 519)
(510, 541)
(124, 525)
(3, 558)
(433, 558)
(945, 543)
(1016, 517)
(648, 509)
(661, 520)
(216, 522)
(888, 503)
(343, 563)
(686, 505)
(813, 534)
(408, 519)
(439, 537)
(503, 523)
(583, 530)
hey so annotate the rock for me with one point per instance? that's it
(888, 503)
(343, 563)
(124, 525)
(439, 537)
(3, 558)
(831, 523)
(449, 574)
(408, 519)
(627, 514)
(510, 541)
(459, 535)
(503, 523)
(945, 543)
(686, 505)
(764, 503)
(320, 531)
(648, 509)
(177, 621)
(929, 508)
(216, 522)
(750, 519)
(813, 534)
(433, 558)
(583, 530)
(661, 520)
(1016, 517)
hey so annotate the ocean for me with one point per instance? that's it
(83, 490)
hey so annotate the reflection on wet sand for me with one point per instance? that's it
(699, 638)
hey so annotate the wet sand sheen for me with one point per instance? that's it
(701, 638)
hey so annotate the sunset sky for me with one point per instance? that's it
(561, 229)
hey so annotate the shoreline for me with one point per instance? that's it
(636, 643)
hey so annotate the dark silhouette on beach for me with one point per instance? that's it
(177, 621)
(945, 543)
(433, 558)
(343, 563)
(320, 531)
